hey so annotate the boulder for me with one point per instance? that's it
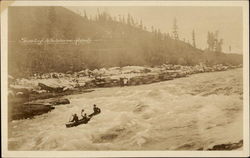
(50, 88)
(60, 101)
(167, 76)
(20, 90)
(11, 79)
(27, 110)
(228, 146)
(19, 93)
(50, 101)
(90, 84)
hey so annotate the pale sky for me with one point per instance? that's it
(227, 20)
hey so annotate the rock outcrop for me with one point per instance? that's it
(50, 88)
(24, 111)
(228, 146)
(37, 107)
(60, 101)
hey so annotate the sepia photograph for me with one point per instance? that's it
(124, 76)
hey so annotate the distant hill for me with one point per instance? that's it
(110, 43)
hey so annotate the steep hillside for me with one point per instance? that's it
(109, 43)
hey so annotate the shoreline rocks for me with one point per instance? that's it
(33, 108)
(24, 111)
(50, 88)
(60, 101)
(58, 84)
(124, 76)
(228, 146)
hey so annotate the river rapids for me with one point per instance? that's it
(191, 113)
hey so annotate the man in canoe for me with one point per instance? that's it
(85, 117)
(96, 111)
(75, 118)
(75, 121)
(82, 111)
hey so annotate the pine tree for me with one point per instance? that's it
(152, 29)
(132, 21)
(214, 44)
(119, 17)
(193, 38)
(85, 15)
(129, 20)
(123, 19)
(219, 45)
(159, 34)
(175, 30)
(98, 14)
(114, 18)
(141, 26)
(210, 41)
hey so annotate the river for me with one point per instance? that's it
(190, 113)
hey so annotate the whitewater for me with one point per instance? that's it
(191, 113)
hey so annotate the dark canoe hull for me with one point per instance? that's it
(82, 121)
(93, 114)
(73, 124)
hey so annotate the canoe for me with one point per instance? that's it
(94, 113)
(73, 124)
(82, 121)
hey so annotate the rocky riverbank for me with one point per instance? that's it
(112, 77)
(44, 86)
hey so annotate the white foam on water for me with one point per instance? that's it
(182, 114)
